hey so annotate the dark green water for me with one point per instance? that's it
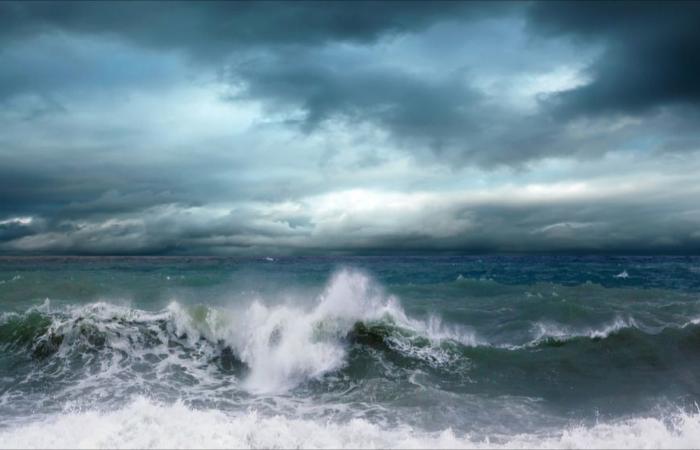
(381, 351)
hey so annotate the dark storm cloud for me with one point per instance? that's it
(433, 112)
(72, 193)
(650, 60)
(441, 118)
(213, 29)
(166, 229)
(454, 121)
(420, 113)
(651, 57)
(93, 159)
(16, 229)
(616, 224)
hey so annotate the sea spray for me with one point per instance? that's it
(143, 423)
(388, 352)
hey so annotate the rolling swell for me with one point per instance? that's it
(293, 353)
(353, 331)
(557, 362)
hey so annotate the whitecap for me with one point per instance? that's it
(147, 424)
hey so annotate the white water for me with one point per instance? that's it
(283, 345)
(551, 330)
(146, 424)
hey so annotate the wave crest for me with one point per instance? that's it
(279, 345)
(274, 348)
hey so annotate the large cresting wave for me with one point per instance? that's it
(271, 348)
(275, 347)
(346, 366)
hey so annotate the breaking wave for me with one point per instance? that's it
(471, 363)
(274, 348)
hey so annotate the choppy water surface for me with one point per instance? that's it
(350, 352)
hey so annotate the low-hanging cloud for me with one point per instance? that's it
(348, 127)
(651, 58)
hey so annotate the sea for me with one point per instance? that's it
(359, 352)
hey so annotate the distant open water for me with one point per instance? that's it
(350, 352)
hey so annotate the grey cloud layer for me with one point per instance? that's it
(214, 29)
(116, 138)
(640, 38)
(652, 56)
(620, 223)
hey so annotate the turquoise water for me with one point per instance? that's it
(358, 352)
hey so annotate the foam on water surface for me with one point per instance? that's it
(285, 344)
(347, 361)
(147, 424)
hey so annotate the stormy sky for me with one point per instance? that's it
(349, 128)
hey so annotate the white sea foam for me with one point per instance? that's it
(15, 278)
(146, 424)
(622, 274)
(543, 331)
(283, 345)
(551, 330)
